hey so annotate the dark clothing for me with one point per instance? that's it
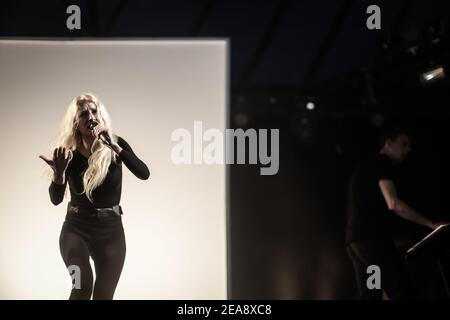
(86, 233)
(101, 238)
(368, 213)
(368, 235)
(109, 192)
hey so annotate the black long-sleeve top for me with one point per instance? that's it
(109, 192)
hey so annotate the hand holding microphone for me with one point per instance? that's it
(100, 132)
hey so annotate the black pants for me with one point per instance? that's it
(101, 238)
(395, 280)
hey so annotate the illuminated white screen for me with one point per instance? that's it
(174, 222)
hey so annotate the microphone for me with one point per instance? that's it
(103, 136)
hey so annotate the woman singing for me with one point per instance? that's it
(89, 158)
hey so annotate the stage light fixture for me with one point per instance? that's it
(433, 74)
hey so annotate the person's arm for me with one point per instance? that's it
(59, 164)
(400, 207)
(57, 188)
(133, 163)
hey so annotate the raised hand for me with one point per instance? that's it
(60, 161)
(97, 130)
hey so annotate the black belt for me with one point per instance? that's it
(114, 211)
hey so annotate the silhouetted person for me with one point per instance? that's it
(372, 198)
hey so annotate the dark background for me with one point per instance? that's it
(287, 230)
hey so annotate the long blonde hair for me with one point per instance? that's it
(70, 138)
